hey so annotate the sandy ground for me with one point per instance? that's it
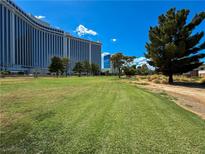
(191, 98)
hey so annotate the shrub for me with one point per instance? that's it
(163, 82)
(137, 79)
(202, 81)
(143, 77)
(20, 73)
(181, 78)
(154, 77)
(5, 72)
(156, 81)
(129, 71)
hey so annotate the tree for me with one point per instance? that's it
(117, 62)
(128, 60)
(35, 71)
(65, 62)
(173, 48)
(128, 67)
(86, 67)
(144, 69)
(78, 68)
(56, 65)
(130, 70)
(95, 69)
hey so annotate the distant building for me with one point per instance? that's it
(106, 63)
(200, 71)
(106, 60)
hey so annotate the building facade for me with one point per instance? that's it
(27, 43)
(106, 64)
(200, 72)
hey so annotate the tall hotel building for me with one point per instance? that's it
(27, 43)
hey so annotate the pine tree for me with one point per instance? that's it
(173, 48)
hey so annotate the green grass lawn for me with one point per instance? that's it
(93, 115)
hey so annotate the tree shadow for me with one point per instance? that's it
(189, 84)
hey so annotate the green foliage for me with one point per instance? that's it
(5, 72)
(86, 67)
(143, 70)
(128, 60)
(173, 48)
(95, 69)
(78, 68)
(65, 62)
(119, 61)
(56, 65)
(130, 71)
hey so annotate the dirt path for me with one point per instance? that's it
(190, 98)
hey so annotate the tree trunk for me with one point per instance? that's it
(119, 73)
(170, 78)
(66, 72)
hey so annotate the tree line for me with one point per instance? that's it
(172, 49)
(86, 68)
(60, 66)
(124, 65)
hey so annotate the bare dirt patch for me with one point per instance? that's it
(191, 98)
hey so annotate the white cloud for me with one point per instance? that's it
(40, 17)
(105, 53)
(82, 30)
(113, 39)
(142, 60)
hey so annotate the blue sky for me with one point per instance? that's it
(119, 25)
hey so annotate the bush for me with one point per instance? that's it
(156, 81)
(129, 71)
(20, 73)
(5, 72)
(143, 77)
(202, 81)
(137, 79)
(163, 82)
(181, 78)
(153, 77)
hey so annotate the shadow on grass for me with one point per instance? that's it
(45, 115)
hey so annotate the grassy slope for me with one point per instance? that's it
(93, 115)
